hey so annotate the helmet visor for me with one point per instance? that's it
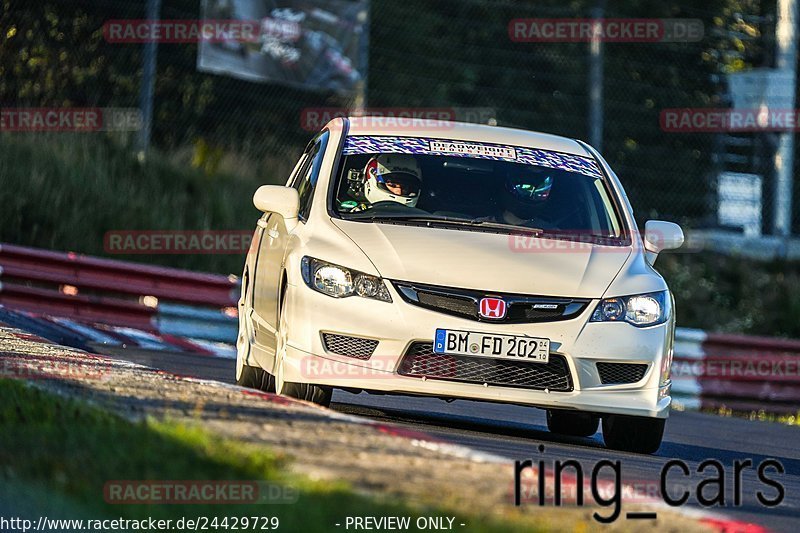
(530, 188)
(400, 184)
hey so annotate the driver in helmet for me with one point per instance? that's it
(393, 178)
(524, 197)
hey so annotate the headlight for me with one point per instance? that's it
(341, 282)
(640, 310)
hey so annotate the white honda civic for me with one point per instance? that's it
(461, 261)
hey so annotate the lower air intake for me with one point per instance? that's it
(617, 373)
(355, 347)
(420, 361)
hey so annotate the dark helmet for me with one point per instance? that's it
(526, 188)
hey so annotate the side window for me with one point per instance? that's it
(306, 180)
(297, 171)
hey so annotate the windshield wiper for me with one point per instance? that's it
(451, 221)
(486, 223)
(503, 226)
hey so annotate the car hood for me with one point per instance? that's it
(487, 261)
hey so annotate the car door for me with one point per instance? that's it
(272, 248)
(251, 262)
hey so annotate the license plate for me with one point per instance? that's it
(520, 347)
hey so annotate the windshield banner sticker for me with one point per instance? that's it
(517, 154)
(452, 147)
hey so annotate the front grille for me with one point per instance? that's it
(522, 312)
(522, 309)
(354, 347)
(420, 361)
(616, 373)
(458, 306)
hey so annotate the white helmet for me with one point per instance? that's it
(393, 178)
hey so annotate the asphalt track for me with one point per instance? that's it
(517, 433)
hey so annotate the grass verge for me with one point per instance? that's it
(760, 416)
(67, 450)
(65, 191)
(718, 293)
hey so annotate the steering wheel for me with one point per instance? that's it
(556, 224)
(390, 206)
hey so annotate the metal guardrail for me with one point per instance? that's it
(688, 351)
(94, 290)
(739, 372)
(18, 295)
(107, 275)
(196, 323)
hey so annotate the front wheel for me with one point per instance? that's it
(308, 392)
(249, 376)
(633, 433)
(256, 378)
(301, 391)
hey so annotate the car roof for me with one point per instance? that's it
(462, 131)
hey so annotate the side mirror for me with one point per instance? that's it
(277, 199)
(659, 236)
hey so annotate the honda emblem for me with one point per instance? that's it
(492, 308)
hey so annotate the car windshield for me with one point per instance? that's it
(561, 196)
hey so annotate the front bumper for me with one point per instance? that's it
(396, 326)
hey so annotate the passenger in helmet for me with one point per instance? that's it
(524, 196)
(393, 178)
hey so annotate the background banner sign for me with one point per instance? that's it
(312, 44)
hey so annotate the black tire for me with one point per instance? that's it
(311, 393)
(572, 423)
(302, 391)
(256, 378)
(633, 433)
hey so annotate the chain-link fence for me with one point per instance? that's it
(448, 53)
